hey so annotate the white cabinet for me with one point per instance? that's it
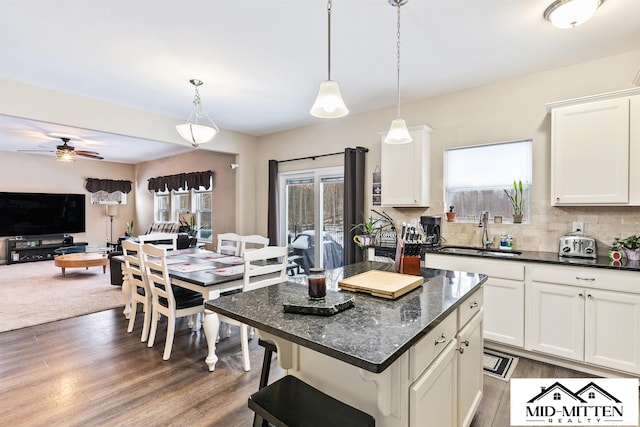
(584, 323)
(593, 143)
(433, 396)
(470, 372)
(449, 390)
(405, 170)
(555, 320)
(503, 294)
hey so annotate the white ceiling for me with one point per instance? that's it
(262, 60)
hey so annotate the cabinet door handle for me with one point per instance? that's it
(473, 304)
(465, 342)
(581, 296)
(461, 350)
(589, 279)
(589, 296)
(440, 340)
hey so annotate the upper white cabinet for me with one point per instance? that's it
(405, 169)
(595, 150)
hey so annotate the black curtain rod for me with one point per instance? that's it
(366, 150)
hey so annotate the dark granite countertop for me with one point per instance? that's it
(372, 334)
(540, 257)
(553, 258)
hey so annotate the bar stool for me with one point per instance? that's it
(291, 402)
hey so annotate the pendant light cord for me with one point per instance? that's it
(329, 40)
(398, 58)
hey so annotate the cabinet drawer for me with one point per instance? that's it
(470, 307)
(586, 277)
(422, 354)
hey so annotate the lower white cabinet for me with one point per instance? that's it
(449, 391)
(432, 397)
(503, 294)
(470, 372)
(589, 325)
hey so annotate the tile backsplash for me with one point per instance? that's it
(546, 226)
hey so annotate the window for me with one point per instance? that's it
(169, 205)
(556, 396)
(103, 198)
(592, 395)
(475, 178)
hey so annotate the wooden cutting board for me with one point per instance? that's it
(381, 283)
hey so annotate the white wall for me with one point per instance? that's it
(508, 110)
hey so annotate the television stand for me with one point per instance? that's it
(37, 248)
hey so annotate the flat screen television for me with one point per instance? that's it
(30, 214)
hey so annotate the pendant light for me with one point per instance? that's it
(398, 132)
(571, 13)
(329, 103)
(196, 133)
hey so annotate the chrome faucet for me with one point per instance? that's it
(484, 223)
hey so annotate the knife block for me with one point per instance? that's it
(410, 265)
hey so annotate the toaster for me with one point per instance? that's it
(577, 246)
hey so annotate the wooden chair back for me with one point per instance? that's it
(229, 244)
(171, 238)
(254, 241)
(257, 275)
(155, 263)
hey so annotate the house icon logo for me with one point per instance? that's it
(577, 401)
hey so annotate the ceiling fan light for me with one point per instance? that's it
(196, 134)
(65, 156)
(571, 13)
(329, 103)
(398, 133)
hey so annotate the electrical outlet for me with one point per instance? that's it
(578, 227)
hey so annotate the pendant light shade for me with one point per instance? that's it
(398, 132)
(571, 13)
(329, 103)
(192, 131)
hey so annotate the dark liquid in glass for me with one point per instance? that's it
(317, 287)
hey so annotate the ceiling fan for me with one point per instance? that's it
(68, 153)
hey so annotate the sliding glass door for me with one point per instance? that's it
(312, 223)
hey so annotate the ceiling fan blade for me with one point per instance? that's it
(37, 151)
(91, 156)
(93, 153)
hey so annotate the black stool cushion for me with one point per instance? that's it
(291, 402)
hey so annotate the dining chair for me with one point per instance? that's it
(262, 267)
(140, 292)
(163, 240)
(172, 303)
(254, 241)
(229, 244)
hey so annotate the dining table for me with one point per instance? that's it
(209, 273)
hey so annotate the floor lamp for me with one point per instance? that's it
(112, 210)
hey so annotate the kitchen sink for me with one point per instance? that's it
(463, 250)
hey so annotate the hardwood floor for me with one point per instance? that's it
(88, 371)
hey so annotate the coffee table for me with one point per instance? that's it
(84, 259)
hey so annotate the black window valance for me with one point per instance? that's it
(182, 181)
(109, 185)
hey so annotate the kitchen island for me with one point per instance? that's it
(399, 360)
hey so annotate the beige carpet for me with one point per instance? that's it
(35, 292)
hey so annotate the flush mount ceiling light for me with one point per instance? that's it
(329, 103)
(398, 132)
(193, 132)
(571, 13)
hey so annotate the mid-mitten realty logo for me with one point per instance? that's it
(574, 401)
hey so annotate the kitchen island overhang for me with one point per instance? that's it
(374, 333)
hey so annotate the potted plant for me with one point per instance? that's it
(190, 225)
(630, 245)
(517, 201)
(451, 215)
(129, 231)
(367, 231)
